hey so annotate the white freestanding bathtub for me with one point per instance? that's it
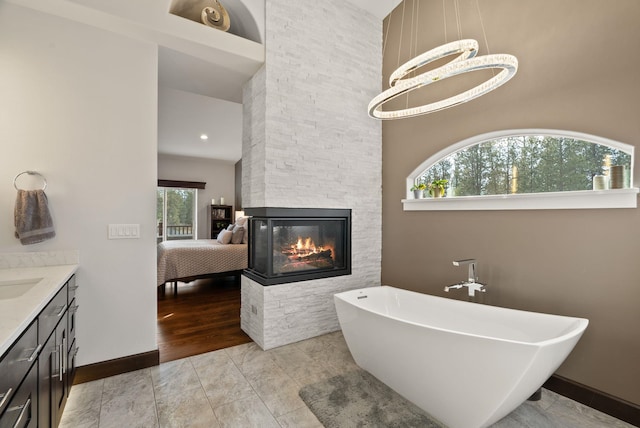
(466, 364)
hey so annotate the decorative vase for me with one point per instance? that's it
(436, 192)
(418, 194)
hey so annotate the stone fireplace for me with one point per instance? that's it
(307, 142)
(298, 244)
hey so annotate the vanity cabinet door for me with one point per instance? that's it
(72, 348)
(52, 314)
(15, 364)
(71, 364)
(53, 385)
(22, 411)
(60, 387)
(72, 287)
(47, 366)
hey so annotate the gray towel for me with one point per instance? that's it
(32, 218)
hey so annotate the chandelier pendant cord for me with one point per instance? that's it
(444, 18)
(458, 21)
(412, 47)
(401, 33)
(386, 34)
(484, 34)
(415, 50)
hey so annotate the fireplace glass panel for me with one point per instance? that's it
(301, 246)
(260, 252)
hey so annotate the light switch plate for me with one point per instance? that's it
(124, 231)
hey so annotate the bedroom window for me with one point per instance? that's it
(176, 213)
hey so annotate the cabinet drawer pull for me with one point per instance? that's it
(74, 287)
(60, 361)
(65, 355)
(62, 311)
(24, 407)
(5, 397)
(74, 308)
(75, 352)
(34, 354)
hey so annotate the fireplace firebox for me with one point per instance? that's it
(298, 244)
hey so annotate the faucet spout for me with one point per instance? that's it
(472, 268)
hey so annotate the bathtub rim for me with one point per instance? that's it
(575, 330)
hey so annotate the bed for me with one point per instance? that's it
(187, 260)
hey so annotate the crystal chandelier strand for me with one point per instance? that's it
(508, 64)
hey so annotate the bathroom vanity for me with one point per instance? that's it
(37, 344)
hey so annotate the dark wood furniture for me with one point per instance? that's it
(57, 329)
(38, 369)
(220, 216)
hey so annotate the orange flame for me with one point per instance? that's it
(306, 246)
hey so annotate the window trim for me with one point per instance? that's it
(182, 184)
(581, 199)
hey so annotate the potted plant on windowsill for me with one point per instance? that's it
(418, 190)
(436, 188)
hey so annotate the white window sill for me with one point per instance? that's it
(583, 199)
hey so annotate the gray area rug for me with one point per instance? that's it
(357, 399)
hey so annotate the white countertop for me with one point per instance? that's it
(17, 313)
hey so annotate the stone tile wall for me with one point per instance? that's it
(308, 142)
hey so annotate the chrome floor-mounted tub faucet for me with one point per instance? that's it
(471, 283)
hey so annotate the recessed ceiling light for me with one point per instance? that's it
(204, 137)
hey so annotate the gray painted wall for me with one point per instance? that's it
(576, 74)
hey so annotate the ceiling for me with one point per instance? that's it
(184, 116)
(198, 96)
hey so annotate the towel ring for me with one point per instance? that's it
(44, 180)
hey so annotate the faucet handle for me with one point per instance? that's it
(478, 286)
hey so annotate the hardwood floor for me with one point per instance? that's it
(204, 316)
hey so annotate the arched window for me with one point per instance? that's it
(531, 162)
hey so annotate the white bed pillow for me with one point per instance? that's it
(243, 222)
(224, 237)
(237, 235)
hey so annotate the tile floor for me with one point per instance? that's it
(243, 386)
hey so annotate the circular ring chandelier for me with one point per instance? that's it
(508, 64)
(466, 61)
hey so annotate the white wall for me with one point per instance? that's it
(219, 176)
(79, 105)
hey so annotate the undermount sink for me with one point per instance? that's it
(11, 289)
